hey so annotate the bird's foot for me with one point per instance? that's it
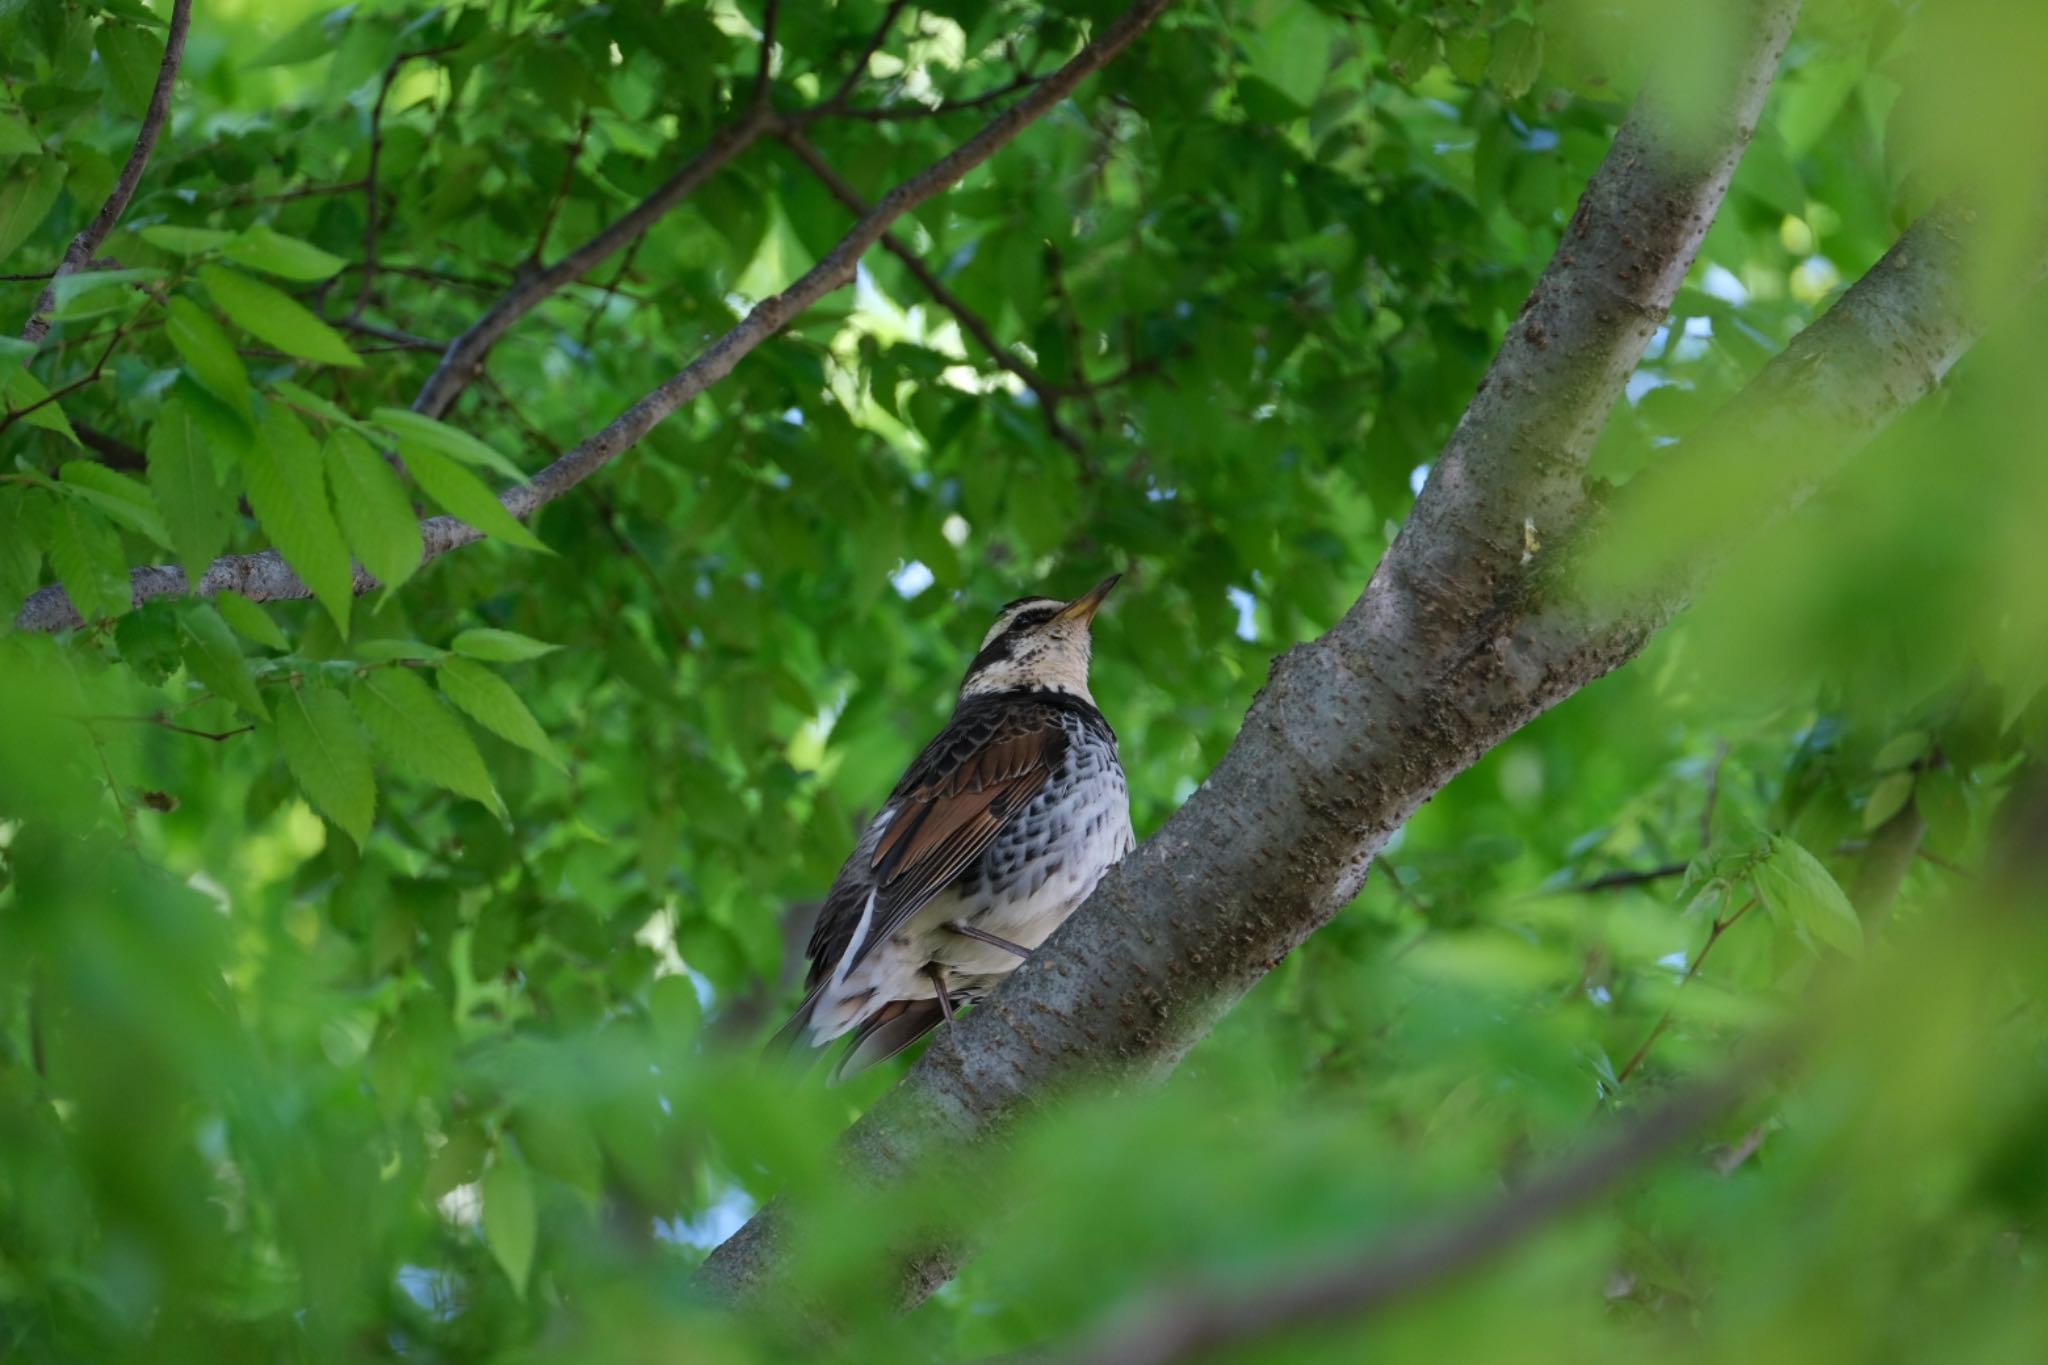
(961, 926)
(938, 976)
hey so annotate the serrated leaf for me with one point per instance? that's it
(24, 392)
(1798, 890)
(273, 253)
(375, 514)
(132, 57)
(208, 354)
(500, 646)
(312, 402)
(413, 431)
(490, 701)
(271, 315)
(1901, 751)
(86, 553)
(281, 471)
(197, 511)
(1887, 799)
(185, 241)
(462, 494)
(325, 750)
(509, 1218)
(26, 195)
(21, 547)
(417, 733)
(250, 621)
(214, 659)
(125, 500)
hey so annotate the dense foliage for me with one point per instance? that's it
(379, 975)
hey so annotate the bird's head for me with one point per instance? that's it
(1038, 644)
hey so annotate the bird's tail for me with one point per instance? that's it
(887, 1032)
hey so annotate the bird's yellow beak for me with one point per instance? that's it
(1084, 607)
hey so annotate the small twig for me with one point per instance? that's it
(1741, 1151)
(99, 747)
(164, 723)
(770, 9)
(1047, 394)
(114, 452)
(1946, 864)
(611, 290)
(547, 221)
(1721, 926)
(1713, 794)
(92, 376)
(1608, 881)
(370, 173)
(891, 112)
(400, 341)
(301, 192)
(88, 241)
(836, 101)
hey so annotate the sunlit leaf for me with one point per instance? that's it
(273, 316)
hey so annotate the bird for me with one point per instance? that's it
(998, 830)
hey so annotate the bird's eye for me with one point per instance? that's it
(1036, 617)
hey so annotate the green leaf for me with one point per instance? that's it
(500, 646)
(417, 733)
(509, 1219)
(313, 403)
(281, 471)
(185, 241)
(375, 513)
(208, 354)
(132, 57)
(273, 316)
(24, 391)
(415, 431)
(1517, 58)
(1901, 751)
(1887, 799)
(122, 498)
(1798, 890)
(462, 494)
(26, 195)
(308, 40)
(490, 701)
(384, 651)
(78, 295)
(215, 660)
(328, 756)
(86, 553)
(273, 253)
(197, 511)
(16, 137)
(250, 621)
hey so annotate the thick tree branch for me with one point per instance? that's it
(266, 577)
(1200, 1319)
(1357, 729)
(80, 252)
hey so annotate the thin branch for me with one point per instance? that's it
(266, 577)
(1721, 926)
(765, 69)
(1046, 393)
(301, 192)
(890, 113)
(88, 241)
(561, 195)
(610, 291)
(1200, 1319)
(1713, 794)
(114, 452)
(370, 173)
(163, 723)
(837, 99)
(1945, 864)
(400, 341)
(92, 376)
(1609, 881)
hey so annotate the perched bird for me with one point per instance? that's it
(1000, 828)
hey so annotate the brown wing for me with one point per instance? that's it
(963, 789)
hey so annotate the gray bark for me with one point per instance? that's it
(1459, 639)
